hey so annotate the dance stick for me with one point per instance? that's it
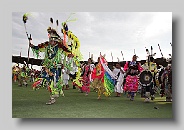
(148, 55)
(92, 57)
(160, 50)
(112, 56)
(151, 51)
(122, 55)
(25, 18)
(118, 59)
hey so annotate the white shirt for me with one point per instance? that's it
(121, 75)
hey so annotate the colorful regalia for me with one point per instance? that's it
(15, 72)
(132, 69)
(149, 90)
(166, 85)
(119, 73)
(103, 78)
(86, 79)
(23, 76)
(58, 51)
(97, 77)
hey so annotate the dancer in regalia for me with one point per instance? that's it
(119, 73)
(149, 91)
(166, 85)
(86, 77)
(103, 79)
(132, 69)
(56, 52)
(97, 77)
(23, 76)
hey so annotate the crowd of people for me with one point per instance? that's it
(129, 79)
(24, 74)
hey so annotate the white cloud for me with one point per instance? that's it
(104, 32)
(161, 24)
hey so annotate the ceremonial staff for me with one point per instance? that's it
(25, 18)
(20, 56)
(170, 54)
(153, 61)
(112, 57)
(112, 60)
(170, 59)
(122, 55)
(160, 50)
(92, 57)
(118, 59)
(151, 54)
(148, 53)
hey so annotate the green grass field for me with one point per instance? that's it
(27, 103)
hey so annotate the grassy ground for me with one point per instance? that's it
(27, 103)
